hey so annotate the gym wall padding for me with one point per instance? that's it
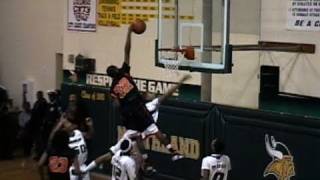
(291, 104)
(244, 132)
(191, 126)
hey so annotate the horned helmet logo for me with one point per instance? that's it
(281, 166)
(81, 9)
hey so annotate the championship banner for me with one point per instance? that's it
(115, 13)
(304, 15)
(82, 15)
(109, 12)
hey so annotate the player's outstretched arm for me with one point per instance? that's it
(127, 47)
(174, 88)
(104, 158)
(101, 159)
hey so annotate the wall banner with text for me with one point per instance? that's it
(82, 15)
(304, 15)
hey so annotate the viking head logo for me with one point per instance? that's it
(81, 9)
(281, 166)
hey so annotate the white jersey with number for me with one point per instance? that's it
(123, 167)
(153, 108)
(218, 166)
(77, 143)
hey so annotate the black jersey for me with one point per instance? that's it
(123, 87)
(132, 105)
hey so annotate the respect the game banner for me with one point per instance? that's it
(82, 15)
(304, 15)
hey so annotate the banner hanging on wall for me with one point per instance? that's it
(304, 15)
(82, 15)
(119, 12)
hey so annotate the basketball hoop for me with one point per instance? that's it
(172, 58)
(171, 67)
(172, 64)
(187, 52)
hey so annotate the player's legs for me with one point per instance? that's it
(137, 156)
(165, 141)
(154, 130)
(150, 130)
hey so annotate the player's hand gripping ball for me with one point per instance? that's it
(138, 26)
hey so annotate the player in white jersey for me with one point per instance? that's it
(123, 165)
(216, 166)
(77, 143)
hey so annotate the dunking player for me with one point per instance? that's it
(153, 106)
(216, 166)
(136, 116)
(141, 111)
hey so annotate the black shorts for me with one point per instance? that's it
(136, 116)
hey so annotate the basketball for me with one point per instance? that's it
(139, 26)
(189, 53)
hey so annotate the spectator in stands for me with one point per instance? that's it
(58, 100)
(34, 126)
(3, 121)
(25, 115)
(3, 98)
(51, 116)
(24, 118)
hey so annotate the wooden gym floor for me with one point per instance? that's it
(20, 169)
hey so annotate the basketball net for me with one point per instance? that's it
(171, 67)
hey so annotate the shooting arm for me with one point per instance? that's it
(104, 158)
(127, 48)
(173, 89)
